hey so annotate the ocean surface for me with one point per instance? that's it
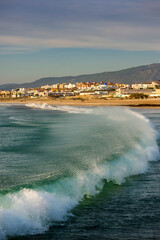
(79, 172)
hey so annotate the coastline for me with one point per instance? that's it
(145, 103)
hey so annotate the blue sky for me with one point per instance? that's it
(70, 37)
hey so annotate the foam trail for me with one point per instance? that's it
(18, 119)
(32, 211)
(63, 108)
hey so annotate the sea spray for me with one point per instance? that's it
(63, 108)
(120, 144)
(31, 211)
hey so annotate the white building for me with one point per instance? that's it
(70, 85)
(127, 91)
(43, 94)
(46, 86)
(55, 86)
(137, 86)
(102, 87)
(145, 85)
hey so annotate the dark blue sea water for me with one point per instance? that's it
(79, 173)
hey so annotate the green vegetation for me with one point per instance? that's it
(138, 96)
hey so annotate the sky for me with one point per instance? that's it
(44, 38)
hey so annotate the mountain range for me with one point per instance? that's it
(146, 73)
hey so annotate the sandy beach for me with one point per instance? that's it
(149, 103)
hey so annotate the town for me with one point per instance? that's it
(90, 89)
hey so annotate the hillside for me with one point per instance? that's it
(139, 74)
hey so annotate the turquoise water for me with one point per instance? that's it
(79, 173)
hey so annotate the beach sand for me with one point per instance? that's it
(153, 103)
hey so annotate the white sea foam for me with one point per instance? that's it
(63, 108)
(30, 212)
(33, 211)
(18, 119)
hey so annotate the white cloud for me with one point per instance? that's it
(110, 24)
(109, 36)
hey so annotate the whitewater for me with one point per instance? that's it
(55, 157)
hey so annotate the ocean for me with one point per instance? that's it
(79, 172)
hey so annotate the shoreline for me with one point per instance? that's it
(141, 103)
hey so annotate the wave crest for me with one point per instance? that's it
(63, 108)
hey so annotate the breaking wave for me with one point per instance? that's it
(31, 211)
(63, 108)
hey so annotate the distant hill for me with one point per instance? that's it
(139, 74)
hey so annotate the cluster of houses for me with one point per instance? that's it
(109, 89)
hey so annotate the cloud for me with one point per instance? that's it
(111, 24)
(13, 49)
